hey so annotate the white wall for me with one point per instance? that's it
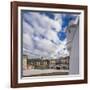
(74, 54)
(5, 47)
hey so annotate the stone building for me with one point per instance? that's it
(63, 63)
(40, 63)
(25, 62)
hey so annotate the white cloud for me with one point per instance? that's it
(27, 28)
(46, 45)
(27, 39)
(52, 35)
(39, 38)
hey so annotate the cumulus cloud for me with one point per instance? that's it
(40, 35)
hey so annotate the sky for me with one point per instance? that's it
(44, 33)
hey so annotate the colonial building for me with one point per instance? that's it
(63, 63)
(40, 63)
(25, 62)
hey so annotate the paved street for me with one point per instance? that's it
(44, 72)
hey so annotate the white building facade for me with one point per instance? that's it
(73, 48)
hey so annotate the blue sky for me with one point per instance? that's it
(45, 32)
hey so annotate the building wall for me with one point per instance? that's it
(73, 47)
(24, 62)
(74, 57)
